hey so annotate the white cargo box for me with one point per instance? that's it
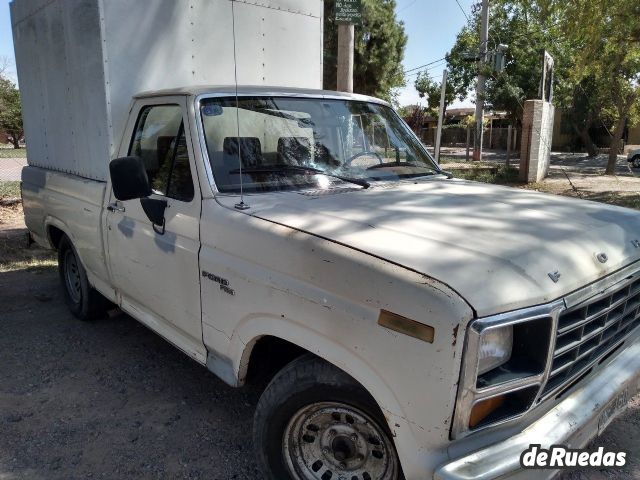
(80, 62)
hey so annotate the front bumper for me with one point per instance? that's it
(574, 422)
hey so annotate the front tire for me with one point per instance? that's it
(84, 302)
(635, 161)
(314, 422)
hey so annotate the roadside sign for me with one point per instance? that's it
(349, 12)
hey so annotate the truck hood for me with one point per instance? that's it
(498, 247)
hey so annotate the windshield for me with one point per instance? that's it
(290, 143)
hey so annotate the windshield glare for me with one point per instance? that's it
(273, 137)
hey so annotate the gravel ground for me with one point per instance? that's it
(110, 399)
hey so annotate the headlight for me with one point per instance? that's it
(503, 369)
(495, 348)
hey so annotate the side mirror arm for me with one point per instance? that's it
(154, 209)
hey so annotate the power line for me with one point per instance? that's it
(463, 12)
(434, 67)
(425, 65)
(407, 6)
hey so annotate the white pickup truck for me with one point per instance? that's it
(413, 325)
(426, 321)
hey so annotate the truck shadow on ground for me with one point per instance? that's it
(109, 398)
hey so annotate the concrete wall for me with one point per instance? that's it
(537, 138)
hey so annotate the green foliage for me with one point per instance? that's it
(10, 110)
(9, 190)
(379, 49)
(470, 121)
(6, 152)
(528, 30)
(431, 91)
(501, 175)
(606, 38)
(596, 47)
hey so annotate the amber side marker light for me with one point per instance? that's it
(483, 409)
(404, 325)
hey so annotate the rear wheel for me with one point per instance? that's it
(314, 422)
(635, 161)
(84, 302)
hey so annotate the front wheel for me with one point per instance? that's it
(636, 161)
(314, 422)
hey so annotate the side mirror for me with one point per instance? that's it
(130, 181)
(129, 178)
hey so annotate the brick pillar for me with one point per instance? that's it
(537, 136)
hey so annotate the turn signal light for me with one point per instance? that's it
(484, 408)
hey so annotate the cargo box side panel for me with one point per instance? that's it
(73, 205)
(59, 61)
(313, 8)
(90, 119)
(182, 43)
(32, 81)
(277, 47)
(164, 44)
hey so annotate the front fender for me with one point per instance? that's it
(253, 329)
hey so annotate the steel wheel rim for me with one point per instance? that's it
(332, 440)
(72, 276)
(636, 163)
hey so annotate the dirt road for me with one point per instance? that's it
(110, 399)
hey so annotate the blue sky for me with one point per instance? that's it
(431, 25)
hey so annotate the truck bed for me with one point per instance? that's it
(56, 203)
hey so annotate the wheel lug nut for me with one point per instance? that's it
(354, 437)
(343, 465)
(325, 451)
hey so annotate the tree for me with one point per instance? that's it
(379, 49)
(606, 38)
(527, 28)
(431, 91)
(10, 111)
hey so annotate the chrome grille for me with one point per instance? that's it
(587, 332)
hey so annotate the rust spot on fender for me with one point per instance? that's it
(455, 335)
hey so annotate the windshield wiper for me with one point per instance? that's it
(409, 164)
(393, 164)
(297, 169)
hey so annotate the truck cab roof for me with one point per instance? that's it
(230, 90)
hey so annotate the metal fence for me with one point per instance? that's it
(461, 137)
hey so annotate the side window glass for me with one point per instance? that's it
(159, 140)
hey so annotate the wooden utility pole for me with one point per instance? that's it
(441, 115)
(480, 88)
(346, 39)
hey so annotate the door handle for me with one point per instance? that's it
(115, 207)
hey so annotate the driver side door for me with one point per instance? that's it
(153, 267)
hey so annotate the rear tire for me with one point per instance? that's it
(84, 302)
(315, 422)
(635, 161)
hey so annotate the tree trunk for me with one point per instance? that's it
(614, 145)
(583, 133)
(15, 139)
